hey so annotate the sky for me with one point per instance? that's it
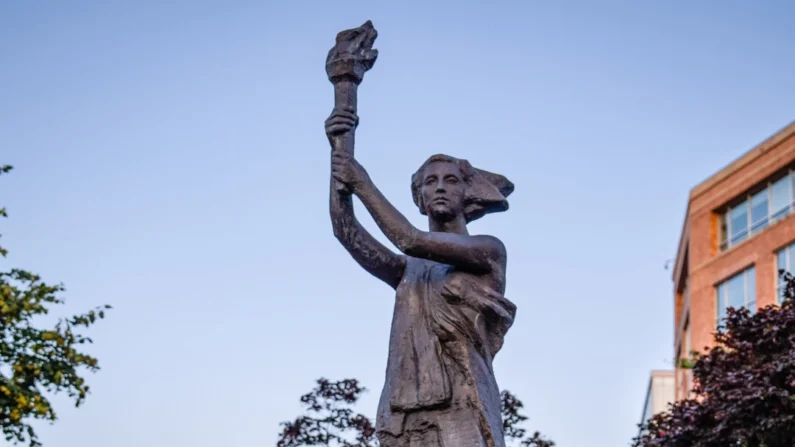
(170, 161)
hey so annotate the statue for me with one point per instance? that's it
(450, 315)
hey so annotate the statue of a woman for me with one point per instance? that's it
(450, 314)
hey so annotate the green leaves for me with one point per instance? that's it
(37, 360)
(689, 362)
(3, 213)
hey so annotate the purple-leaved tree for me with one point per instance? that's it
(744, 391)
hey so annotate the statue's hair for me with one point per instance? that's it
(466, 169)
(486, 192)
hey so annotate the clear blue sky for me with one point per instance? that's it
(171, 161)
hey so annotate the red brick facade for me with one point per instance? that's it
(701, 265)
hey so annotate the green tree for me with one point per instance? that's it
(33, 360)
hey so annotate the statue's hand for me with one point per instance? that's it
(346, 170)
(341, 121)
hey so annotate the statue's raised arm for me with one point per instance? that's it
(346, 64)
(352, 55)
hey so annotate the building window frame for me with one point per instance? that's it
(727, 239)
(785, 260)
(680, 373)
(722, 292)
(688, 348)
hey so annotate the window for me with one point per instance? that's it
(680, 374)
(738, 219)
(737, 291)
(757, 211)
(688, 338)
(688, 376)
(781, 196)
(786, 261)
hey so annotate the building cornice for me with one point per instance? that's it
(715, 180)
(743, 161)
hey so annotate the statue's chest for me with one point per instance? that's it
(421, 280)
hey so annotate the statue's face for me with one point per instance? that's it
(442, 191)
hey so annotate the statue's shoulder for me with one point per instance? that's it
(492, 241)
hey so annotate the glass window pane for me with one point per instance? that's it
(781, 264)
(736, 290)
(791, 259)
(781, 197)
(750, 276)
(724, 232)
(786, 261)
(739, 222)
(688, 339)
(721, 302)
(759, 210)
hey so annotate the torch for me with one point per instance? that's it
(346, 64)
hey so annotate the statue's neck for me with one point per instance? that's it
(458, 226)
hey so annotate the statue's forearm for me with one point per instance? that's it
(373, 256)
(394, 224)
(341, 211)
(352, 55)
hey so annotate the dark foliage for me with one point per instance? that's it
(511, 420)
(330, 420)
(744, 391)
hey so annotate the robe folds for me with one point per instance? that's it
(440, 388)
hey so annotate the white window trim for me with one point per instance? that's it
(749, 221)
(718, 302)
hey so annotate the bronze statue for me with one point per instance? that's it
(450, 314)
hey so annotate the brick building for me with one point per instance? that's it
(739, 230)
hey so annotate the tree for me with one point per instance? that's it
(331, 420)
(744, 392)
(35, 360)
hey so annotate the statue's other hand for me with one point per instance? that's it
(346, 170)
(341, 121)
